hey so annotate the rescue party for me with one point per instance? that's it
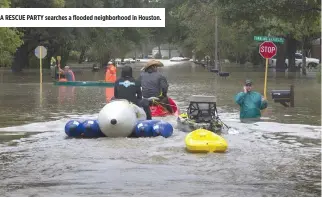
(31, 17)
(75, 17)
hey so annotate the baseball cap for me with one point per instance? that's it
(248, 82)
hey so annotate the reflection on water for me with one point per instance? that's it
(66, 94)
(109, 93)
(279, 156)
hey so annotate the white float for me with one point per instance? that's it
(140, 113)
(119, 117)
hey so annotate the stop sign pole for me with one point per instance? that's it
(40, 53)
(267, 50)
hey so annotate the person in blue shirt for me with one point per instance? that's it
(251, 102)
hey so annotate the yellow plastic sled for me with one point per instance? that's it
(202, 140)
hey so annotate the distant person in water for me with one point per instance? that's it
(126, 87)
(251, 103)
(110, 73)
(68, 73)
(154, 84)
(54, 68)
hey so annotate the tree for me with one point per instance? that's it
(61, 41)
(277, 17)
(241, 20)
(10, 40)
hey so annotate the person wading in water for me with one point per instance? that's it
(110, 73)
(251, 103)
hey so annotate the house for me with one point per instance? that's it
(167, 50)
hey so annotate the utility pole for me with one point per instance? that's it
(216, 42)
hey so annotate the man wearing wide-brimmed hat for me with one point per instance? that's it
(154, 84)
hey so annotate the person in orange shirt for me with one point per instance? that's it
(110, 74)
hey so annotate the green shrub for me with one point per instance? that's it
(74, 56)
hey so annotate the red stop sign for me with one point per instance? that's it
(267, 49)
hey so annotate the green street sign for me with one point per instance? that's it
(268, 38)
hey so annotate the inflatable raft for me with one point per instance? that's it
(202, 140)
(116, 119)
(157, 110)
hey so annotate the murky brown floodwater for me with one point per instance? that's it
(280, 156)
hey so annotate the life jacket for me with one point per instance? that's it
(72, 74)
(68, 74)
(62, 80)
(110, 75)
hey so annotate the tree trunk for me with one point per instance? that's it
(280, 59)
(320, 51)
(159, 50)
(291, 49)
(169, 50)
(193, 55)
(303, 58)
(82, 55)
(50, 53)
(64, 56)
(20, 59)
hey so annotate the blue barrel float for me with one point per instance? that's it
(162, 128)
(87, 128)
(91, 129)
(153, 128)
(73, 128)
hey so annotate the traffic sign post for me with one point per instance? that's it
(40, 53)
(267, 50)
(268, 38)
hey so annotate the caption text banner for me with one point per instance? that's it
(82, 17)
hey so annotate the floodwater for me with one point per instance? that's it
(279, 156)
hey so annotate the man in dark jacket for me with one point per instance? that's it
(154, 84)
(126, 87)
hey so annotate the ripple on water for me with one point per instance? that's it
(263, 158)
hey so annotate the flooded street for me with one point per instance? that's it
(279, 156)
